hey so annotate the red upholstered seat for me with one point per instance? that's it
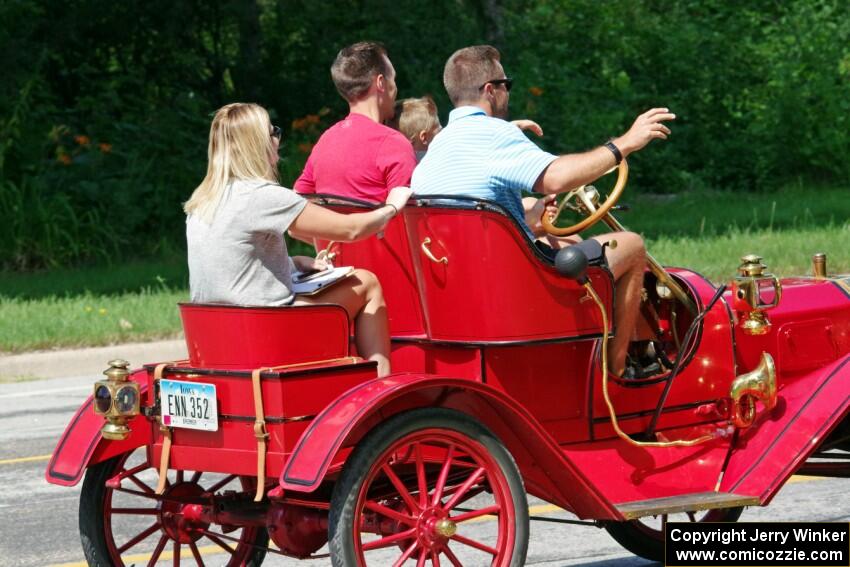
(494, 286)
(239, 337)
(487, 283)
(388, 256)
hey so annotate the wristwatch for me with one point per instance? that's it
(618, 155)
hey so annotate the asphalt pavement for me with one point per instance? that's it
(38, 521)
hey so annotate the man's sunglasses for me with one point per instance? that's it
(507, 82)
(276, 132)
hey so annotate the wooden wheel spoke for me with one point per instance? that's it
(135, 511)
(220, 542)
(399, 486)
(489, 510)
(176, 558)
(420, 477)
(476, 544)
(692, 516)
(435, 558)
(444, 474)
(139, 537)
(407, 553)
(388, 540)
(152, 495)
(158, 550)
(473, 479)
(196, 554)
(390, 513)
(451, 555)
(221, 484)
(125, 472)
(196, 477)
(144, 487)
(179, 476)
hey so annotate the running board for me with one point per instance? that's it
(684, 503)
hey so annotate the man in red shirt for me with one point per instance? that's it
(359, 157)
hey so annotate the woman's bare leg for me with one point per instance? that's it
(628, 262)
(361, 296)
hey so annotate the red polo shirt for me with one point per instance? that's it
(358, 158)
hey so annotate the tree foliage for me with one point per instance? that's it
(105, 106)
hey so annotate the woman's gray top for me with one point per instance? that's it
(241, 258)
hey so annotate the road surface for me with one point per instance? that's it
(38, 521)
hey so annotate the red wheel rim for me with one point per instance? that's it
(143, 518)
(426, 498)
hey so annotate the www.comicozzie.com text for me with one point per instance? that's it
(726, 536)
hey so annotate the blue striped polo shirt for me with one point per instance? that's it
(477, 155)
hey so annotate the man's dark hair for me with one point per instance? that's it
(356, 65)
(469, 68)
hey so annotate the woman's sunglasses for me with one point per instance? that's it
(276, 132)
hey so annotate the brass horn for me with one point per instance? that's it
(760, 384)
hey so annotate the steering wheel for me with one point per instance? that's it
(596, 215)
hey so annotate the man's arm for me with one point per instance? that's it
(572, 170)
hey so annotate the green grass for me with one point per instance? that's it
(786, 253)
(91, 306)
(709, 231)
(119, 278)
(88, 319)
(707, 214)
(706, 231)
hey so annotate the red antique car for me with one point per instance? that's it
(275, 437)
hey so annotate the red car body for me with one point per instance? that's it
(483, 326)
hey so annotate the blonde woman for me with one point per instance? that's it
(236, 219)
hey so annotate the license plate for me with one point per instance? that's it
(191, 405)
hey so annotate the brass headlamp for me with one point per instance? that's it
(748, 286)
(117, 399)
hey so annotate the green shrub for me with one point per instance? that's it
(104, 119)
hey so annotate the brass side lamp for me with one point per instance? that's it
(117, 399)
(752, 279)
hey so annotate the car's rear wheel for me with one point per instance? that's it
(645, 536)
(130, 524)
(429, 487)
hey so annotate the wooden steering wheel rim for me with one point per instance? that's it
(622, 178)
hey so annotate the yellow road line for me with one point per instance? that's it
(804, 478)
(25, 459)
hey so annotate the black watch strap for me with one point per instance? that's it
(618, 155)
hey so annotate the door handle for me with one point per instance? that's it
(427, 252)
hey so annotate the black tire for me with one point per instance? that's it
(93, 532)
(648, 542)
(373, 446)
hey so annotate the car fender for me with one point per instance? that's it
(780, 441)
(81, 444)
(345, 421)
